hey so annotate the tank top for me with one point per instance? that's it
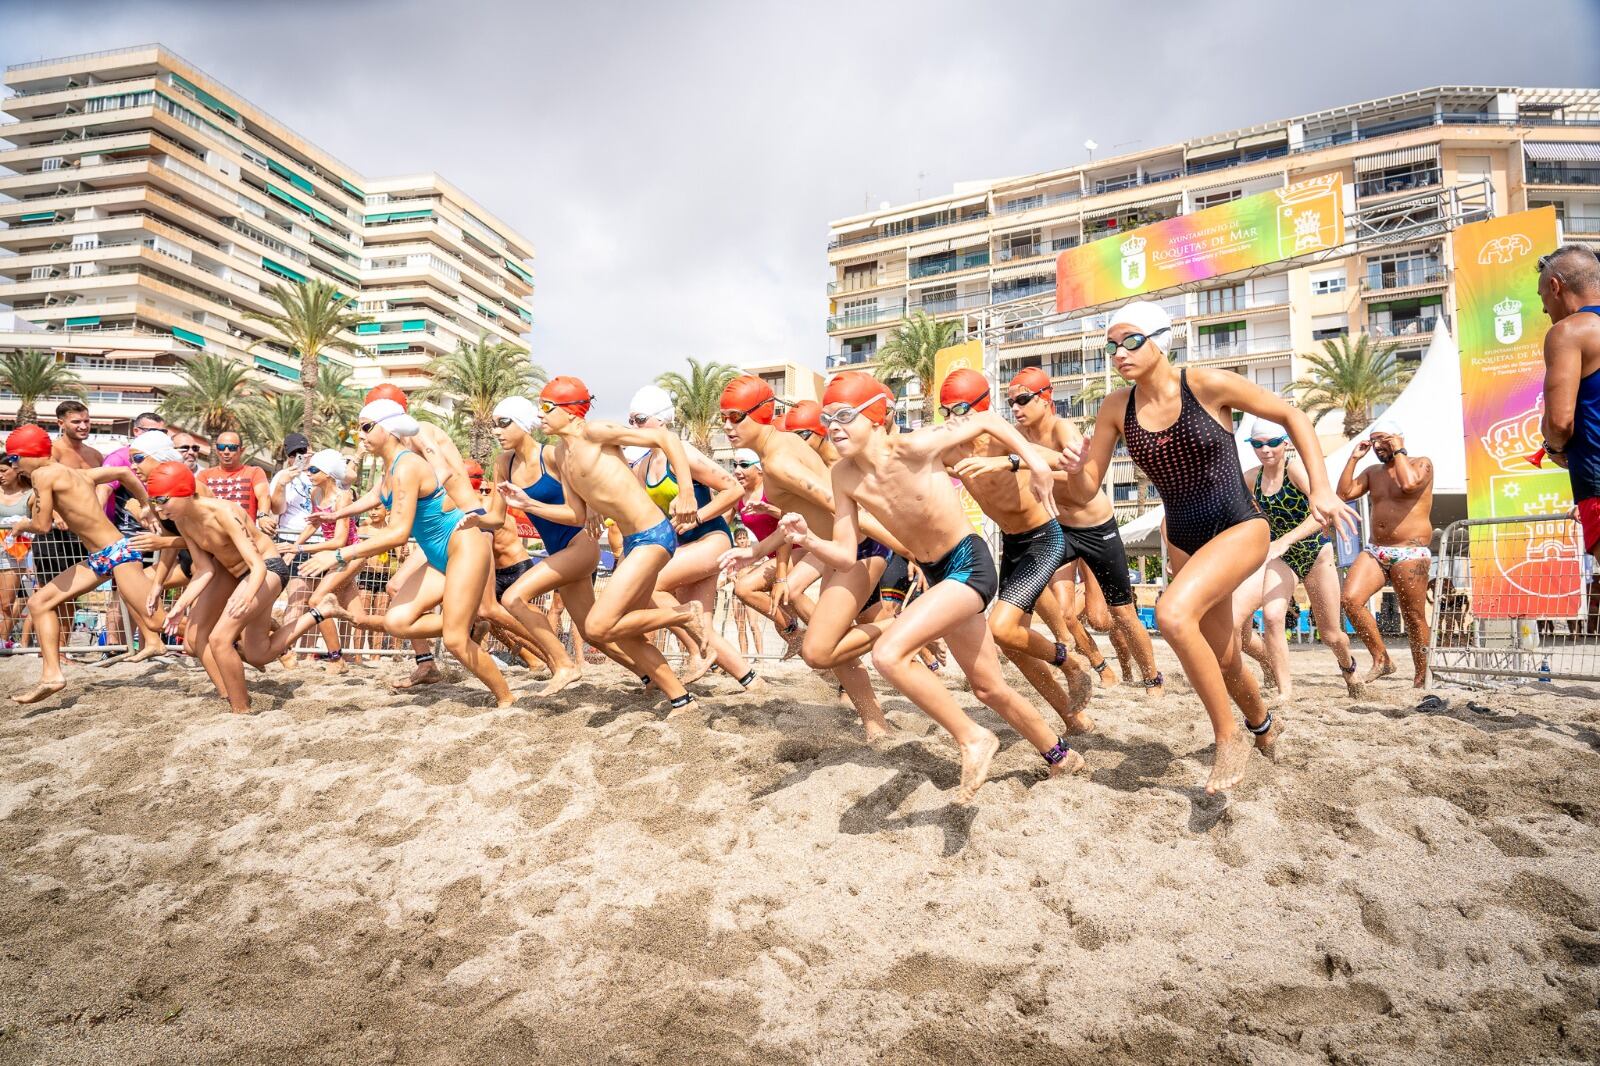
(1583, 450)
(1195, 466)
(18, 509)
(297, 506)
(761, 526)
(548, 490)
(327, 528)
(663, 492)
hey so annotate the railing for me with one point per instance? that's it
(1236, 161)
(949, 264)
(1132, 181)
(1005, 296)
(866, 316)
(1418, 275)
(955, 303)
(836, 287)
(1411, 327)
(839, 359)
(1028, 203)
(1561, 174)
(1582, 223)
(1032, 251)
(1231, 349)
(915, 226)
(1398, 183)
(1227, 304)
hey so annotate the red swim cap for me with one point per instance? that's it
(170, 479)
(386, 391)
(29, 441)
(474, 472)
(568, 392)
(752, 396)
(855, 388)
(965, 386)
(1031, 378)
(807, 414)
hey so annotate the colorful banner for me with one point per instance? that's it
(1521, 570)
(967, 355)
(1247, 232)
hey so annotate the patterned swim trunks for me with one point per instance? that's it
(1388, 555)
(112, 556)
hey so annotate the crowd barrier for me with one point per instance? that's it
(1516, 601)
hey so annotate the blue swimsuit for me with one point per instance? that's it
(548, 490)
(432, 525)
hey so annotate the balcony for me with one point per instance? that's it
(1023, 292)
(1028, 203)
(1586, 224)
(1250, 346)
(916, 225)
(948, 264)
(851, 318)
(843, 359)
(858, 283)
(1418, 274)
(1133, 181)
(950, 305)
(1017, 253)
(1562, 174)
(1403, 327)
(1383, 186)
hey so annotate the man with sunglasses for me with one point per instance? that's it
(902, 480)
(233, 479)
(1398, 552)
(798, 481)
(189, 449)
(1094, 548)
(70, 494)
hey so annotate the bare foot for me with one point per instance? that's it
(679, 712)
(689, 618)
(1078, 724)
(792, 641)
(332, 610)
(1380, 668)
(561, 679)
(1233, 754)
(334, 666)
(877, 729)
(695, 668)
(424, 674)
(39, 692)
(1420, 680)
(1352, 686)
(1080, 688)
(146, 653)
(1108, 675)
(1070, 765)
(241, 710)
(1157, 691)
(975, 760)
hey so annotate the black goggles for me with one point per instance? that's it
(1134, 341)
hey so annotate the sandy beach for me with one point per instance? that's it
(354, 876)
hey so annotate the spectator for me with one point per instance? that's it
(113, 495)
(189, 446)
(232, 479)
(71, 446)
(1569, 288)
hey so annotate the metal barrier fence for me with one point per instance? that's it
(1515, 601)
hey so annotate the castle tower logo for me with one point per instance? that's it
(1133, 262)
(1309, 216)
(1508, 321)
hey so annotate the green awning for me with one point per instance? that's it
(392, 348)
(406, 216)
(189, 338)
(491, 312)
(370, 327)
(38, 216)
(294, 202)
(294, 179)
(283, 370)
(519, 270)
(373, 220)
(526, 316)
(205, 97)
(411, 325)
(352, 190)
(281, 270)
(86, 320)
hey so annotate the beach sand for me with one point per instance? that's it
(354, 876)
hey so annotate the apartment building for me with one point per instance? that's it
(147, 208)
(1413, 166)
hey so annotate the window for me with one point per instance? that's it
(1019, 245)
(1404, 318)
(1273, 378)
(1399, 269)
(860, 275)
(939, 299)
(1327, 282)
(775, 382)
(1325, 327)
(1219, 339)
(1212, 199)
(1226, 298)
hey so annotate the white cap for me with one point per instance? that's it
(157, 445)
(1262, 429)
(1145, 317)
(1387, 426)
(520, 410)
(652, 401)
(391, 416)
(746, 455)
(330, 462)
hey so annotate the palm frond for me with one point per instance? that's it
(215, 392)
(697, 398)
(473, 379)
(1352, 376)
(313, 317)
(33, 375)
(912, 352)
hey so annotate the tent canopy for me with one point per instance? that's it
(1433, 428)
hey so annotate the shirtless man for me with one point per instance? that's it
(902, 480)
(798, 482)
(1569, 288)
(1032, 548)
(592, 467)
(1091, 530)
(57, 550)
(70, 493)
(237, 577)
(1402, 528)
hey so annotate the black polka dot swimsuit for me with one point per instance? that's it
(1195, 466)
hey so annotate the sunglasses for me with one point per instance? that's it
(848, 415)
(188, 447)
(1134, 341)
(638, 420)
(228, 447)
(805, 434)
(1270, 442)
(733, 418)
(961, 407)
(737, 465)
(295, 455)
(1023, 399)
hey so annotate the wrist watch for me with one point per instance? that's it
(1399, 451)
(338, 556)
(1016, 462)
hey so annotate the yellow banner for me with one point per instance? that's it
(968, 355)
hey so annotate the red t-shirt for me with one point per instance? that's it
(238, 485)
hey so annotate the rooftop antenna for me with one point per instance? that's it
(1090, 146)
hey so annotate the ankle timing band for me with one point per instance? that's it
(1261, 730)
(1155, 682)
(1057, 753)
(682, 701)
(749, 678)
(425, 657)
(1061, 654)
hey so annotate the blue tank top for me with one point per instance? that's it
(549, 491)
(1583, 450)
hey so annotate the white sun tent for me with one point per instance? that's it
(1428, 410)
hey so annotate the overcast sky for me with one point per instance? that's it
(676, 165)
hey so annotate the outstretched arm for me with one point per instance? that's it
(684, 509)
(1086, 462)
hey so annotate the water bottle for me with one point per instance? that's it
(1544, 670)
(1347, 545)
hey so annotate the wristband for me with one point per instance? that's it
(1016, 462)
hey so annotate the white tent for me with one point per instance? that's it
(1428, 410)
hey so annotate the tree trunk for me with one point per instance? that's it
(26, 411)
(478, 441)
(308, 389)
(1356, 422)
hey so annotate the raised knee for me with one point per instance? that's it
(886, 658)
(1173, 617)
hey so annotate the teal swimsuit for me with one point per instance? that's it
(432, 525)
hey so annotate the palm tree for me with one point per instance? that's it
(33, 374)
(911, 352)
(1090, 397)
(338, 407)
(268, 420)
(476, 377)
(312, 319)
(697, 399)
(215, 394)
(1350, 377)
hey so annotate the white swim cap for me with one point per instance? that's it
(745, 455)
(652, 401)
(1387, 426)
(1262, 429)
(520, 410)
(1147, 318)
(329, 462)
(157, 445)
(391, 416)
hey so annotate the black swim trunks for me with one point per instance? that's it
(506, 576)
(896, 580)
(969, 562)
(276, 565)
(1027, 562)
(871, 549)
(1100, 547)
